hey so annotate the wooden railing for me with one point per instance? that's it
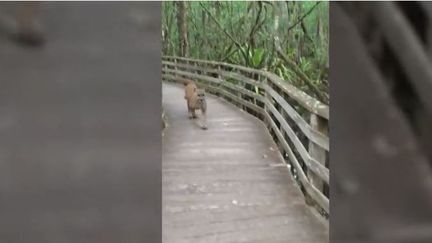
(284, 109)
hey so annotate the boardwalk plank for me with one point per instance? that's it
(222, 185)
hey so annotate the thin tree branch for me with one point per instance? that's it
(304, 16)
(256, 25)
(226, 33)
(229, 55)
(290, 63)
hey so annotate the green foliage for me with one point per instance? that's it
(257, 57)
(242, 33)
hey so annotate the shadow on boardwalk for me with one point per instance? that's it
(224, 184)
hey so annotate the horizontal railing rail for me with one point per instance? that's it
(297, 121)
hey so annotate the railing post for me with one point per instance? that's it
(256, 78)
(217, 86)
(175, 68)
(239, 94)
(315, 151)
(267, 98)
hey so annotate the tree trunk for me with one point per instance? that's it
(217, 6)
(204, 37)
(182, 28)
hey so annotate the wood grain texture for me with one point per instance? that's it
(229, 183)
(209, 75)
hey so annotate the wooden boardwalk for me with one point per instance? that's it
(226, 184)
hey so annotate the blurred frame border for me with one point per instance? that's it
(381, 81)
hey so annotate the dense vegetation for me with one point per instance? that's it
(286, 38)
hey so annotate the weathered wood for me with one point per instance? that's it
(316, 152)
(193, 75)
(220, 91)
(217, 186)
(304, 99)
(214, 80)
(175, 79)
(223, 73)
(313, 134)
(313, 192)
(316, 174)
(242, 68)
(242, 90)
(241, 101)
(240, 77)
(310, 162)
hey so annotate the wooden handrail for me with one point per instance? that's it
(308, 102)
(284, 109)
